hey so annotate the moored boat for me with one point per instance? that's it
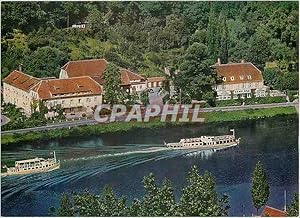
(35, 165)
(206, 142)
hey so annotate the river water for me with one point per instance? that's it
(122, 160)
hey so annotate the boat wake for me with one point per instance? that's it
(74, 170)
(143, 151)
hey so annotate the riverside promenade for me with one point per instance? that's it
(82, 122)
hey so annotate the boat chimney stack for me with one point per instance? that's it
(54, 156)
(20, 67)
(233, 132)
(284, 200)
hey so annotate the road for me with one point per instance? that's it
(82, 122)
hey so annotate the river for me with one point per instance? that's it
(122, 160)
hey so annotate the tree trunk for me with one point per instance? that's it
(68, 20)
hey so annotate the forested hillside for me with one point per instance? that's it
(149, 36)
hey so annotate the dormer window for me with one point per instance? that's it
(224, 78)
(241, 77)
(79, 86)
(249, 77)
(232, 78)
(56, 88)
(15, 78)
(24, 81)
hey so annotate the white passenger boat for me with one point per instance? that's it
(206, 142)
(36, 165)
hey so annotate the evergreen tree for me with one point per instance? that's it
(213, 34)
(112, 78)
(111, 205)
(223, 29)
(135, 209)
(293, 208)
(217, 36)
(195, 79)
(159, 201)
(260, 189)
(199, 197)
(65, 206)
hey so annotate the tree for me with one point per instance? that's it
(293, 208)
(199, 197)
(87, 204)
(45, 62)
(223, 48)
(260, 189)
(288, 81)
(13, 51)
(195, 78)
(158, 201)
(98, 22)
(65, 206)
(145, 97)
(271, 76)
(176, 31)
(134, 209)
(112, 78)
(213, 34)
(111, 205)
(70, 8)
(20, 15)
(259, 47)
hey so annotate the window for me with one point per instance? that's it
(224, 78)
(232, 78)
(79, 100)
(88, 100)
(95, 98)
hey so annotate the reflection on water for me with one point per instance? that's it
(122, 160)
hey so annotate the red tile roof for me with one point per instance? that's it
(95, 69)
(156, 79)
(98, 79)
(272, 212)
(54, 88)
(127, 76)
(21, 80)
(234, 73)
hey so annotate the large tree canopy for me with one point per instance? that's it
(149, 36)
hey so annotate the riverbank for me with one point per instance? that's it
(118, 127)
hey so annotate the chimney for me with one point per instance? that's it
(242, 61)
(219, 61)
(20, 67)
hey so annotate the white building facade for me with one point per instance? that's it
(239, 80)
(75, 96)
